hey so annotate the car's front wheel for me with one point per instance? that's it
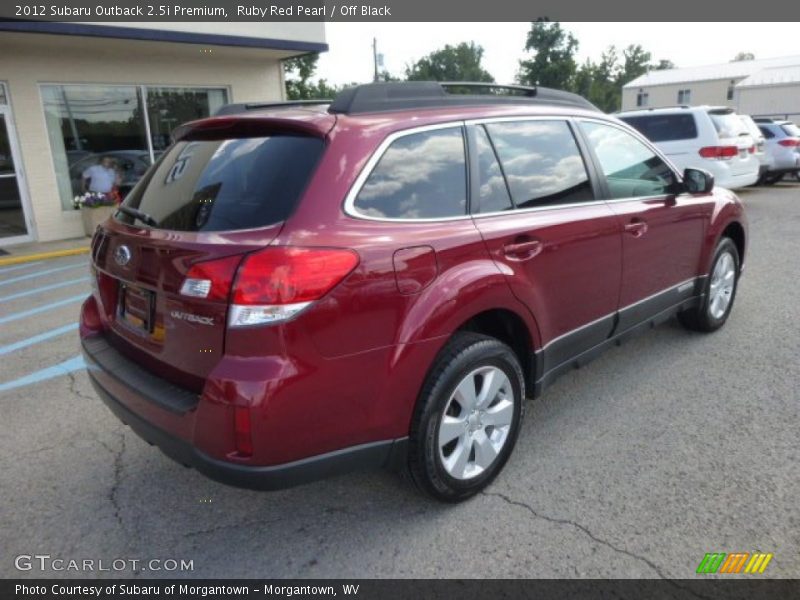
(719, 290)
(467, 419)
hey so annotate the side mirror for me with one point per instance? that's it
(698, 181)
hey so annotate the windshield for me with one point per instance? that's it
(223, 185)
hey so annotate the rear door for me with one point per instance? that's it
(206, 199)
(663, 230)
(559, 246)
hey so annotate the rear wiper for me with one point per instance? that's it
(138, 214)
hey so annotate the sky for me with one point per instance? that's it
(686, 44)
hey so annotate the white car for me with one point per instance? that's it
(705, 137)
(764, 160)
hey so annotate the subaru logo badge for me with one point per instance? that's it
(122, 255)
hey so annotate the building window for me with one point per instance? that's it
(3, 97)
(129, 124)
(731, 89)
(642, 99)
(684, 96)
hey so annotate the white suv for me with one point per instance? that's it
(706, 137)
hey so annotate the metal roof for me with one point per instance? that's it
(774, 76)
(731, 70)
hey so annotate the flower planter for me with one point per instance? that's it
(92, 217)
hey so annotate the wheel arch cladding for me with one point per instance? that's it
(510, 328)
(735, 231)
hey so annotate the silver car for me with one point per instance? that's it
(783, 148)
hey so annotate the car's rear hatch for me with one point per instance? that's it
(733, 132)
(220, 192)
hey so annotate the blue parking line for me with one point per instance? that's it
(42, 337)
(68, 366)
(44, 288)
(84, 265)
(44, 308)
(18, 267)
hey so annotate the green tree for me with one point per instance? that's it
(298, 72)
(553, 61)
(451, 63)
(663, 65)
(635, 62)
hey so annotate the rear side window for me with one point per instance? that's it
(420, 176)
(665, 128)
(225, 185)
(767, 133)
(542, 163)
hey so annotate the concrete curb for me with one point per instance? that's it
(13, 260)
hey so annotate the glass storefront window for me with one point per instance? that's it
(168, 107)
(107, 125)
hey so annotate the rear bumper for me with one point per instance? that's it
(385, 453)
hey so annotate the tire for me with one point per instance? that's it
(454, 470)
(719, 291)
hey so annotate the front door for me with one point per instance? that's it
(13, 217)
(662, 229)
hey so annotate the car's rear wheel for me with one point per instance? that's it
(719, 290)
(467, 419)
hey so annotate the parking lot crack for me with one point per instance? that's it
(586, 531)
(73, 387)
(118, 466)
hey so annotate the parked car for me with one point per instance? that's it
(131, 165)
(783, 147)
(702, 137)
(297, 292)
(764, 163)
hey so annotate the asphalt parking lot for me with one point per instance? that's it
(669, 447)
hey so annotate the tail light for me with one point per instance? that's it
(752, 149)
(719, 152)
(271, 285)
(211, 279)
(790, 143)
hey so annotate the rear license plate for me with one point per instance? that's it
(136, 307)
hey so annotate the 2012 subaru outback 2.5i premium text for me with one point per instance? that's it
(296, 291)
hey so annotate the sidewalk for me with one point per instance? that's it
(21, 253)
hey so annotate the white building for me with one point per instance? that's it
(765, 87)
(73, 92)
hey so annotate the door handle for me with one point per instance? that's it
(522, 250)
(637, 227)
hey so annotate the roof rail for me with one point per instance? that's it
(232, 109)
(382, 97)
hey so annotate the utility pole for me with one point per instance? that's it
(375, 58)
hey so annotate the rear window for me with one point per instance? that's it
(224, 185)
(791, 129)
(727, 124)
(664, 128)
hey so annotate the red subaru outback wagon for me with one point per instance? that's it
(296, 291)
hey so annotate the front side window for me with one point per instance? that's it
(420, 176)
(541, 162)
(631, 168)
